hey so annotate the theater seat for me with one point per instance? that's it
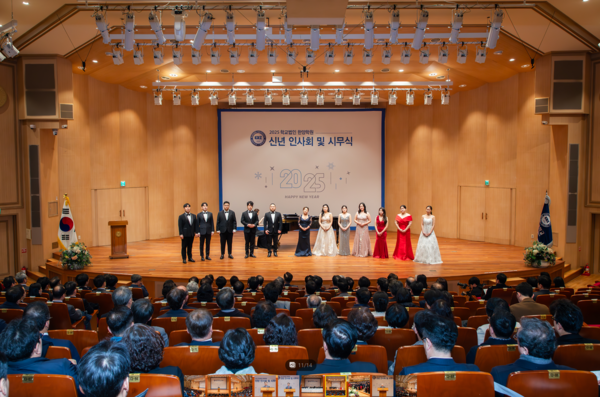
(226, 323)
(272, 360)
(81, 338)
(548, 299)
(170, 323)
(554, 383)
(584, 297)
(246, 307)
(474, 305)
(462, 312)
(157, 385)
(489, 357)
(411, 315)
(203, 305)
(467, 338)
(543, 317)
(392, 339)
(181, 336)
(459, 300)
(455, 384)
(583, 357)
(590, 332)
(503, 293)
(365, 353)
(477, 321)
(412, 355)
(10, 314)
(307, 317)
(193, 360)
(312, 340)
(103, 329)
(298, 322)
(257, 336)
(60, 317)
(36, 385)
(56, 352)
(590, 310)
(103, 300)
(336, 306)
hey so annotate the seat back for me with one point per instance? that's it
(203, 305)
(489, 357)
(568, 292)
(503, 293)
(60, 316)
(302, 301)
(548, 299)
(103, 300)
(298, 322)
(307, 317)
(543, 317)
(477, 321)
(481, 311)
(455, 383)
(381, 321)
(76, 302)
(291, 295)
(157, 385)
(56, 352)
(462, 312)
(257, 296)
(272, 360)
(136, 293)
(554, 383)
(474, 305)
(459, 301)
(10, 314)
(170, 323)
(392, 339)
(257, 336)
(590, 332)
(81, 338)
(411, 315)
(193, 360)
(226, 323)
(583, 357)
(345, 312)
(583, 297)
(33, 385)
(365, 353)
(342, 300)
(407, 356)
(246, 307)
(293, 307)
(336, 306)
(467, 338)
(590, 310)
(35, 298)
(286, 311)
(181, 336)
(158, 306)
(312, 340)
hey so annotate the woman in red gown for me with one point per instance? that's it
(381, 223)
(403, 250)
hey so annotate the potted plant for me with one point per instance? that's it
(76, 257)
(539, 255)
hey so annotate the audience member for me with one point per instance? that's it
(288, 277)
(442, 309)
(544, 284)
(176, 300)
(310, 287)
(262, 314)
(260, 280)
(14, 296)
(111, 282)
(396, 316)
(252, 284)
(104, 370)
(382, 284)
(118, 320)
(342, 285)
(8, 282)
(416, 288)
(322, 315)
(142, 311)
(380, 301)
(237, 353)
(526, 305)
(100, 283)
(58, 296)
(82, 281)
(500, 283)
(35, 290)
(443, 283)
(404, 298)
(350, 282)
(490, 307)
(281, 331)
(4, 375)
(136, 282)
(395, 286)
(313, 301)
(365, 324)
(199, 326)
(421, 278)
(21, 279)
(502, 326)
(364, 282)
(363, 296)
(568, 321)
(45, 282)
(559, 282)
(532, 281)
(122, 296)
(429, 298)
(205, 293)
(476, 291)
(221, 282)
(271, 292)
(192, 286)
(225, 301)
(238, 289)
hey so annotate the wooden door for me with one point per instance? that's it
(107, 203)
(135, 211)
(498, 215)
(7, 246)
(472, 212)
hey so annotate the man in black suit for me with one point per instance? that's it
(205, 228)
(250, 222)
(273, 223)
(176, 299)
(226, 226)
(187, 230)
(199, 326)
(225, 300)
(500, 283)
(59, 294)
(111, 377)
(14, 296)
(568, 320)
(502, 325)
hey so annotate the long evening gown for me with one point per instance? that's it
(403, 250)
(325, 244)
(380, 250)
(428, 251)
(303, 247)
(344, 235)
(362, 242)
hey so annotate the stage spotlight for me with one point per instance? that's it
(356, 98)
(203, 29)
(179, 25)
(232, 98)
(462, 55)
(196, 57)
(129, 31)
(268, 98)
(157, 54)
(10, 51)
(367, 56)
(420, 29)
(177, 54)
(117, 54)
(214, 98)
(288, 31)
(428, 97)
(234, 55)
(291, 56)
(481, 55)
(339, 97)
(329, 55)
(339, 33)
(315, 37)
(424, 55)
(369, 30)
(102, 27)
(446, 97)
(249, 98)
(457, 21)
(494, 34)
(252, 55)
(230, 27)
(260, 30)
(138, 56)
(215, 55)
(375, 98)
(348, 55)
(320, 98)
(158, 98)
(410, 97)
(405, 56)
(272, 54)
(392, 98)
(386, 55)
(176, 98)
(394, 26)
(285, 98)
(304, 98)
(195, 98)
(310, 56)
(156, 27)
(443, 54)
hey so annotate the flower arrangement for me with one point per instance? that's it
(539, 255)
(76, 257)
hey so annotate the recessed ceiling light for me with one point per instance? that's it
(224, 71)
(191, 41)
(173, 75)
(241, 71)
(585, 1)
(401, 70)
(385, 70)
(511, 60)
(208, 71)
(272, 71)
(165, 78)
(525, 66)
(143, 86)
(95, 60)
(440, 77)
(80, 67)
(337, 70)
(433, 74)
(369, 70)
(462, 85)
(26, 3)
(498, 52)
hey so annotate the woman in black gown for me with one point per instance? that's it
(303, 247)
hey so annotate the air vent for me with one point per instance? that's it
(541, 105)
(224, 71)
(573, 175)
(66, 111)
(386, 70)
(34, 191)
(40, 89)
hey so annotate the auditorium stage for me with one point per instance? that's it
(158, 260)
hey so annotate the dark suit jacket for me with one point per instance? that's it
(574, 339)
(472, 354)
(228, 225)
(336, 366)
(205, 226)
(185, 228)
(10, 305)
(41, 365)
(47, 341)
(488, 294)
(540, 292)
(358, 305)
(271, 226)
(247, 221)
(184, 307)
(234, 313)
(196, 343)
(437, 365)
(144, 290)
(170, 370)
(174, 313)
(501, 372)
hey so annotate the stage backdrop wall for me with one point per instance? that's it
(296, 158)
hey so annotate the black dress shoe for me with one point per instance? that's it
(246, 257)
(230, 256)
(269, 255)
(252, 255)
(222, 256)
(208, 258)
(202, 259)
(184, 261)
(275, 253)
(191, 260)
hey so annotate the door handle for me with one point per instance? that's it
(482, 215)
(124, 214)
(120, 216)
(485, 215)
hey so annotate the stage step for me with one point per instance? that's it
(567, 267)
(35, 275)
(572, 274)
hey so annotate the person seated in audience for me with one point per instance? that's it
(237, 353)
(21, 343)
(363, 282)
(490, 307)
(319, 282)
(533, 281)
(44, 282)
(104, 370)
(100, 283)
(404, 297)
(136, 282)
(396, 316)
(421, 278)
(35, 290)
(82, 281)
(271, 292)
(476, 291)
(199, 327)
(342, 285)
(238, 289)
(58, 296)
(526, 305)
(500, 283)
(443, 283)
(322, 315)
(558, 282)
(143, 310)
(262, 313)
(146, 350)
(226, 301)
(313, 301)
(71, 292)
(21, 279)
(118, 320)
(233, 280)
(430, 296)
(568, 320)
(194, 279)
(536, 342)
(442, 309)
(350, 282)
(176, 299)
(185, 304)
(4, 375)
(54, 281)
(168, 285)
(339, 339)
(8, 282)
(310, 287)
(14, 296)
(192, 286)
(334, 281)
(205, 293)
(395, 286)
(281, 331)
(288, 278)
(392, 277)
(545, 274)
(409, 281)
(365, 323)
(544, 284)
(382, 285)
(252, 284)
(221, 282)
(111, 282)
(502, 325)
(38, 311)
(380, 301)
(416, 288)
(362, 298)
(439, 335)
(122, 296)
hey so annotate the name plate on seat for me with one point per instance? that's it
(449, 375)
(27, 378)
(226, 318)
(70, 332)
(134, 378)
(588, 346)
(553, 374)
(193, 349)
(244, 303)
(173, 319)
(511, 348)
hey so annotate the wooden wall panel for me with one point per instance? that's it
(593, 182)
(48, 188)
(471, 153)
(133, 143)
(419, 170)
(207, 157)
(10, 193)
(396, 161)
(184, 161)
(558, 184)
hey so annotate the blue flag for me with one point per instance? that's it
(545, 230)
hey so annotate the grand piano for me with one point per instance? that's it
(290, 222)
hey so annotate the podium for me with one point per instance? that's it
(267, 391)
(382, 391)
(118, 239)
(289, 392)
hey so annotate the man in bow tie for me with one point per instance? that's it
(205, 228)
(250, 222)
(187, 229)
(226, 226)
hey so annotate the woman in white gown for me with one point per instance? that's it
(325, 244)
(428, 251)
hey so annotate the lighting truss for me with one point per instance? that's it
(369, 30)
(315, 37)
(260, 30)
(348, 55)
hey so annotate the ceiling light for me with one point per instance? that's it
(252, 55)
(117, 54)
(500, 52)
(337, 70)
(433, 74)
(176, 98)
(440, 77)
(511, 60)
(268, 98)
(234, 55)
(288, 31)
(457, 21)
(348, 55)
(428, 97)
(394, 26)
(208, 71)
(461, 56)
(496, 24)
(339, 33)
(291, 56)
(241, 71)
(196, 57)
(443, 54)
(304, 98)
(195, 98)
(102, 27)
(405, 56)
(375, 98)
(320, 98)
(230, 27)
(179, 25)
(249, 98)
(329, 55)
(424, 55)
(202, 31)
(481, 55)
(356, 98)
(315, 37)
(158, 98)
(386, 55)
(173, 75)
(260, 30)
(156, 26)
(285, 98)
(143, 86)
(177, 54)
(369, 32)
(420, 29)
(462, 85)
(446, 97)
(26, 3)
(367, 56)
(401, 70)
(232, 98)
(215, 55)
(392, 98)
(272, 54)
(138, 56)
(410, 97)
(525, 66)
(129, 31)
(157, 54)
(339, 97)
(310, 56)
(95, 61)
(369, 70)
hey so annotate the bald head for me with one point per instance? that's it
(313, 301)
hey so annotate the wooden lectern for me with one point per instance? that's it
(289, 392)
(382, 391)
(267, 391)
(118, 239)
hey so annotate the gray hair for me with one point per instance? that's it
(121, 296)
(21, 277)
(192, 286)
(313, 301)
(538, 337)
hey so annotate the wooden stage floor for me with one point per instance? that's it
(162, 259)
